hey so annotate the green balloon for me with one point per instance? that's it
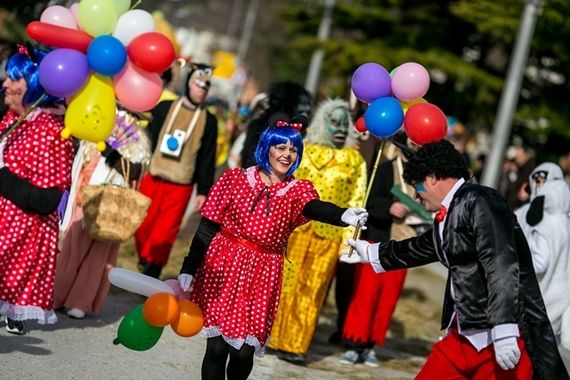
(122, 6)
(135, 333)
(393, 71)
(97, 17)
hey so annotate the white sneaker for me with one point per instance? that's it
(370, 358)
(76, 313)
(349, 357)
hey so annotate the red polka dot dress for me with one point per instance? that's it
(28, 242)
(239, 283)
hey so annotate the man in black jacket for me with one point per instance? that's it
(496, 321)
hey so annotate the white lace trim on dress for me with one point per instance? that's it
(22, 313)
(251, 180)
(237, 343)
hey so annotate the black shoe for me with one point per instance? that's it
(335, 338)
(299, 359)
(15, 327)
(141, 265)
(152, 270)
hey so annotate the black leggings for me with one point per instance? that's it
(214, 364)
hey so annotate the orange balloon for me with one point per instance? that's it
(160, 309)
(190, 319)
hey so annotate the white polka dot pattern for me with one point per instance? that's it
(28, 242)
(236, 287)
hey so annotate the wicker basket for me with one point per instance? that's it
(113, 213)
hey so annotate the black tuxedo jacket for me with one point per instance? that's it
(490, 267)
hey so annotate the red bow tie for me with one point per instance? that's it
(440, 215)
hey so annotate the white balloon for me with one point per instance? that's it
(133, 23)
(138, 283)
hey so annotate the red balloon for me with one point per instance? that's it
(58, 36)
(360, 124)
(152, 52)
(424, 123)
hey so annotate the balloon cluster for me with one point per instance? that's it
(166, 305)
(395, 98)
(103, 50)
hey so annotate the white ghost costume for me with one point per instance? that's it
(549, 241)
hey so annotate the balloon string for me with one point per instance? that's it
(370, 183)
(22, 117)
(136, 4)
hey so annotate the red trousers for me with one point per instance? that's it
(157, 233)
(454, 357)
(373, 302)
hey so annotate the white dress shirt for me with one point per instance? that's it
(480, 338)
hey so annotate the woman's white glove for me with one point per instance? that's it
(360, 255)
(2, 144)
(185, 281)
(507, 352)
(355, 216)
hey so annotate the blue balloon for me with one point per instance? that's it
(384, 117)
(106, 55)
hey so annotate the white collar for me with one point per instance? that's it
(449, 197)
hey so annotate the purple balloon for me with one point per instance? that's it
(371, 81)
(63, 72)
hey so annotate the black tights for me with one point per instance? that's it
(214, 364)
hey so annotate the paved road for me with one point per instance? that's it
(83, 349)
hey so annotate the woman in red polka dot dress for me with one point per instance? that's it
(35, 168)
(237, 253)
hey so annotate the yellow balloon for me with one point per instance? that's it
(408, 104)
(91, 114)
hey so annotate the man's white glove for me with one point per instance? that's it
(355, 216)
(360, 254)
(2, 144)
(185, 281)
(507, 352)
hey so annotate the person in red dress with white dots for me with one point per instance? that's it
(235, 261)
(35, 169)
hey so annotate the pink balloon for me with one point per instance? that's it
(136, 89)
(74, 8)
(58, 15)
(410, 81)
(174, 285)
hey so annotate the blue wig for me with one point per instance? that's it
(21, 65)
(274, 136)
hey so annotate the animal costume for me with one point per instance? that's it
(183, 142)
(546, 223)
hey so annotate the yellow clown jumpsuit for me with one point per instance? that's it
(339, 175)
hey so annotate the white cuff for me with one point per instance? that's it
(505, 330)
(374, 258)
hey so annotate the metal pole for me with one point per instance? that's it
(510, 94)
(233, 25)
(357, 229)
(247, 30)
(317, 57)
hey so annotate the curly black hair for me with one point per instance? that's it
(439, 159)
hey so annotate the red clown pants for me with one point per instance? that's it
(455, 358)
(157, 233)
(373, 302)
